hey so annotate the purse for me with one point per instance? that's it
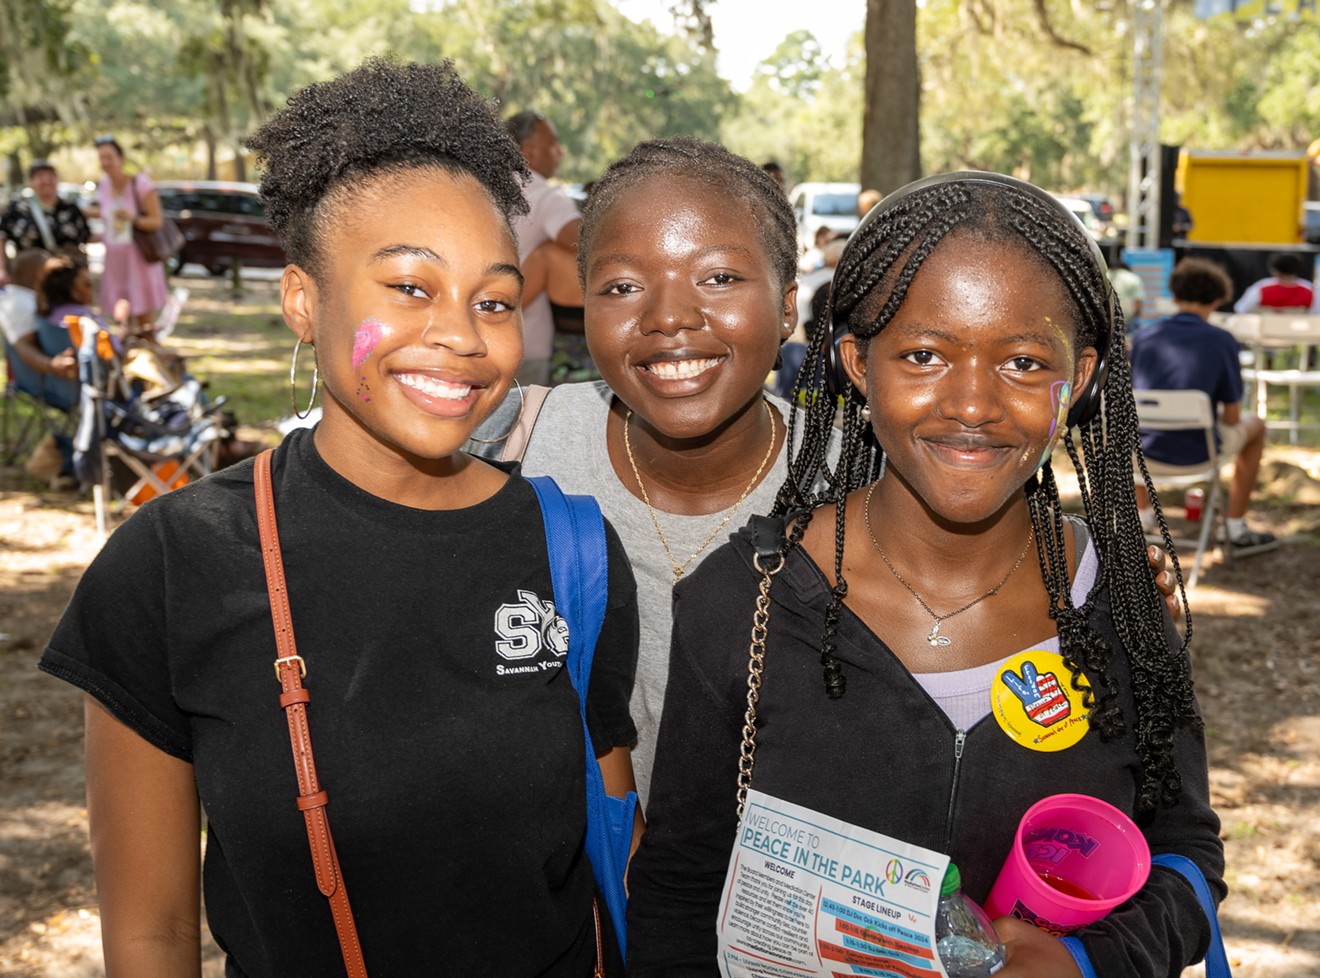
(290, 670)
(164, 242)
(579, 566)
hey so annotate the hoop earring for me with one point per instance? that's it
(293, 374)
(522, 403)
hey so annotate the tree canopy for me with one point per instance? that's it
(1041, 88)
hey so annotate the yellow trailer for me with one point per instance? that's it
(1244, 198)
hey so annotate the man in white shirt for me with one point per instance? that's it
(553, 217)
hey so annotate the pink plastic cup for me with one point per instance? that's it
(1074, 859)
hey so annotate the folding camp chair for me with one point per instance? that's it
(128, 447)
(35, 405)
(1168, 410)
(22, 417)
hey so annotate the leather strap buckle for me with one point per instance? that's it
(302, 666)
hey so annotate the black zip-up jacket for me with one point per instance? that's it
(886, 757)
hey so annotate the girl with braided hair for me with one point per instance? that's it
(928, 590)
(688, 259)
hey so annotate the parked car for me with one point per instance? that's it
(1086, 214)
(817, 205)
(223, 222)
(1102, 208)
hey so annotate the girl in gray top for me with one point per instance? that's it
(688, 260)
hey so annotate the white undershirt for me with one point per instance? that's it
(964, 694)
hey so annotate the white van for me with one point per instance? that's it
(817, 205)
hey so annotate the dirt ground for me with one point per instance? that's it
(1256, 644)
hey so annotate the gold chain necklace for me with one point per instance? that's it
(673, 561)
(935, 639)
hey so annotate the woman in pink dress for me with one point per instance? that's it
(127, 201)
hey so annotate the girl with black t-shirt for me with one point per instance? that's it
(447, 734)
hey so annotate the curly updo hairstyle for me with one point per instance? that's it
(870, 284)
(713, 165)
(383, 117)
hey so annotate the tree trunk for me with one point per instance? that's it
(891, 150)
(212, 173)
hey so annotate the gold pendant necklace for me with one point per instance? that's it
(673, 561)
(935, 639)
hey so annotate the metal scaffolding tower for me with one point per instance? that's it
(1144, 173)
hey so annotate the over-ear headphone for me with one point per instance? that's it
(1086, 403)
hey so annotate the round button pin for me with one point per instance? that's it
(1034, 702)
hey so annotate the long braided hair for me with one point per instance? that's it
(870, 284)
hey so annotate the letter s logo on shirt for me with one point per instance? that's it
(527, 626)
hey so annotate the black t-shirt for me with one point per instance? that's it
(455, 771)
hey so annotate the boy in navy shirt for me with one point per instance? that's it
(1185, 352)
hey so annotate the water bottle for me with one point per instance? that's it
(964, 937)
(169, 314)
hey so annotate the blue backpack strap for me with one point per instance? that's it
(1216, 960)
(1078, 952)
(579, 569)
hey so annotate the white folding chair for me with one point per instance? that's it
(1279, 332)
(1167, 410)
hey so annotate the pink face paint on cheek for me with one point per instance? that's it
(365, 340)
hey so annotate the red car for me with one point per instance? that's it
(223, 222)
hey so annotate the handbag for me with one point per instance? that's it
(290, 669)
(575, 538)
(164, 242)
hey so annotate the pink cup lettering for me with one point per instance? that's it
(1050, 878)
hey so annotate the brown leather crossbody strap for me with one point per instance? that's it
(290, 670)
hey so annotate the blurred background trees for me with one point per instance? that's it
(1036, 87)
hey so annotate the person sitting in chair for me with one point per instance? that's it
(1283, 289)
(1185, 352)
(40, 365)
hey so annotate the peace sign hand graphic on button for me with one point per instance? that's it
(1040, 694)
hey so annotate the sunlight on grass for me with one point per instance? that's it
(240, 348)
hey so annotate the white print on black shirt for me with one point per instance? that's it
(524, 629)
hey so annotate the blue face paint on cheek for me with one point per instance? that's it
(1060, 396)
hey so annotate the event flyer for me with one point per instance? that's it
(808, 895)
